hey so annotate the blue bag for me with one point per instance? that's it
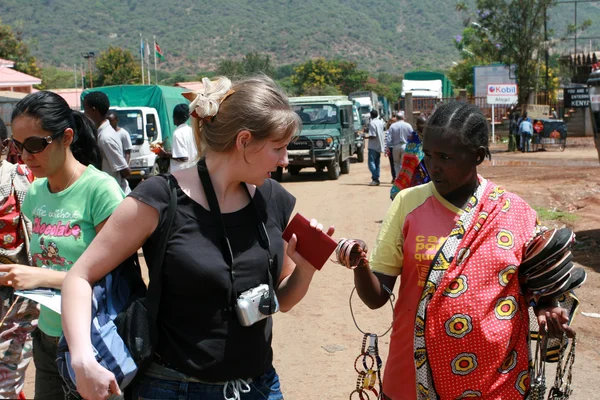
(124, 330)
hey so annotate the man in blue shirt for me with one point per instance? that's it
(526, 132)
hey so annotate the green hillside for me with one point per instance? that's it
(391, 36)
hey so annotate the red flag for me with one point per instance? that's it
(158, 51)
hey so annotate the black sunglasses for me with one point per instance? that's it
(34, 144)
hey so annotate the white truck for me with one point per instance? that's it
(146, 111)
(423, 89)
(365, 101)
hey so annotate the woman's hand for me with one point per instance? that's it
(352, 253)
(94, 382)
(291, 248)
(19, 276)
(553, 321)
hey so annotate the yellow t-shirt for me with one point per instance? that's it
(416, 225)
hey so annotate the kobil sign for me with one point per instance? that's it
(502, 94)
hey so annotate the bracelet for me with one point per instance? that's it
(362, 395)
(344, 251)
(364, 363)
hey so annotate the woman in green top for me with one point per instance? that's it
(67, 205)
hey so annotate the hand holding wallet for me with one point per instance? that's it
(315, 246)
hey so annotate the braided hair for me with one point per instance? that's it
(464, 120)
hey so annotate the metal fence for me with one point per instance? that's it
(426, 107)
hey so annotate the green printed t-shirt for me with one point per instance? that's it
(64, 225)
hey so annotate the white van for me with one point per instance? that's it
(144, 128)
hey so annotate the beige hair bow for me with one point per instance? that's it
(205, 102)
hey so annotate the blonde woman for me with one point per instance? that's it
(206, 349)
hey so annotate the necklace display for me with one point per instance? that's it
(352, 254)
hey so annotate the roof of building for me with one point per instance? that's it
(10, 77)
(6, 63)
(191, 86)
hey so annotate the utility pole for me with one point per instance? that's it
(75, 78)
(575, 29)
(547, 88)
(89, 55)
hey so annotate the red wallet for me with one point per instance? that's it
(315, 246)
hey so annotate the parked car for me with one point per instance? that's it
(327, 139)
(359, 133)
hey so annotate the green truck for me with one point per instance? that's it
(328, 138)
(146, 112)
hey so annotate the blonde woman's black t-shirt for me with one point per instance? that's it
(199, 332)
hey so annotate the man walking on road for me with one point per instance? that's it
(376, 138)
(124, 136)
(399, 133)
(388, 147)
(95, 107)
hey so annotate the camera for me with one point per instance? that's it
(254, 305)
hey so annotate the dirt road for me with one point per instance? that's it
(316, 343)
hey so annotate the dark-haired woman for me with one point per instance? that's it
(461, 321)
(68, 205)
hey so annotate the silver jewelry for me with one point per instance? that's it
(72, 176)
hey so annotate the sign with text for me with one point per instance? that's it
(595, 98)
(484, 75)
(538, 111)
(502, 94)
(577, 97)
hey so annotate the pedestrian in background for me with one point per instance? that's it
(388, 146)
(122, 133)
(184, 152)
(413, 171)
(18, 315)
(95, 106)
(376, 136)
(400, 131)
(513, 132)
(526, 132)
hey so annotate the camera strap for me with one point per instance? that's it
(263, 237)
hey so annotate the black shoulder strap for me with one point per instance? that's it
(263, 238)
(156, 272)
(213, 203)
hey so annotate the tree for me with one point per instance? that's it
(351, 79)
(54, 78)
(320, 76)
(255, 63)
(230, 68)
(14, 49)
(392, 85)
(476, 48)
(252, 64)
(515, 28)
(117, 66)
